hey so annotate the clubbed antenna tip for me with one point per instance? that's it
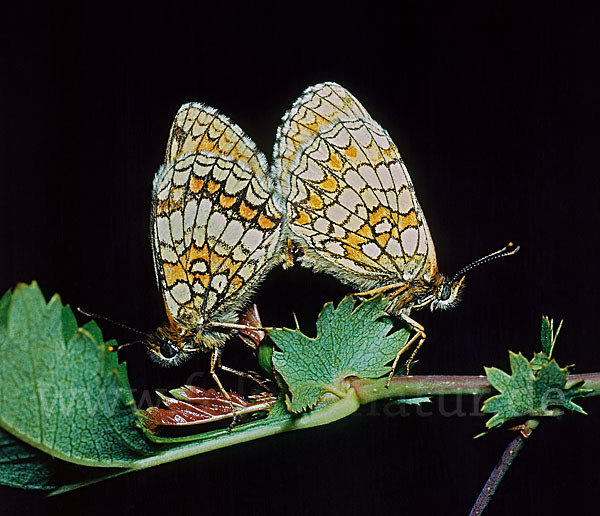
(508, 250)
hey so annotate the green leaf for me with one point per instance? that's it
(498, 378)
(23, 466)
(351, 341)
(550, 387)
(264, 357)
(61, 390)
(546, 336)
(539, 361)
(4, 304)
(533, 388)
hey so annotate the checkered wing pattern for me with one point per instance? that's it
(351, 204)
(215, 223)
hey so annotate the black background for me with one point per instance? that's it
(495, 111)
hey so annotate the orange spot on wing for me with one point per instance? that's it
(315, 202)
(383, 239)
(329, 185)
(366, 231)
(379, 214)
(204, 279)
(397, 220)
(236, 283)
(194, 253)
(208, 143)
(213, 186)
(173, 272)
(215, 262)
(168, 206)
(350, 151)
(354, 240)
(265, 222)
(246, 212)
(358, 256)
(226, 201)
(196, 184)
(302, 218)
(408, 220)
(335, 162)
(229, 266)
(161, 207)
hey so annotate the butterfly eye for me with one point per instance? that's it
(445, 292)
(167, 350)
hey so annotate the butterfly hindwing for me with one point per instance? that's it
(350, 201)
(216, 223)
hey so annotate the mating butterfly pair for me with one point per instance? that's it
(337, 190)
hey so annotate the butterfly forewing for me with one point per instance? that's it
(351, 204)
(216, 225)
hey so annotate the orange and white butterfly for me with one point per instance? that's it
(216, 230)
(352, 209)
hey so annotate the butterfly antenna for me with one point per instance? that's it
(112, 348)
(508, 250)
(98, 316)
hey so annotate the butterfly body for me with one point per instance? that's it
(351, 205)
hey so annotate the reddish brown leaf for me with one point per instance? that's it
(251, 335)
(192, 406)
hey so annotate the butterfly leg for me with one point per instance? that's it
(398, 287)
(419, 334)
(250, 375)
(215, 361)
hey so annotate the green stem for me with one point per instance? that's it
(368, 391)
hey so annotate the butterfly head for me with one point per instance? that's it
(447, 294)
(439, 293)
(173, 344)
(170, 348)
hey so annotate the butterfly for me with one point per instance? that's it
(216, 230)
(351, 207)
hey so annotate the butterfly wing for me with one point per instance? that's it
(351, 205)
(215, 223)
